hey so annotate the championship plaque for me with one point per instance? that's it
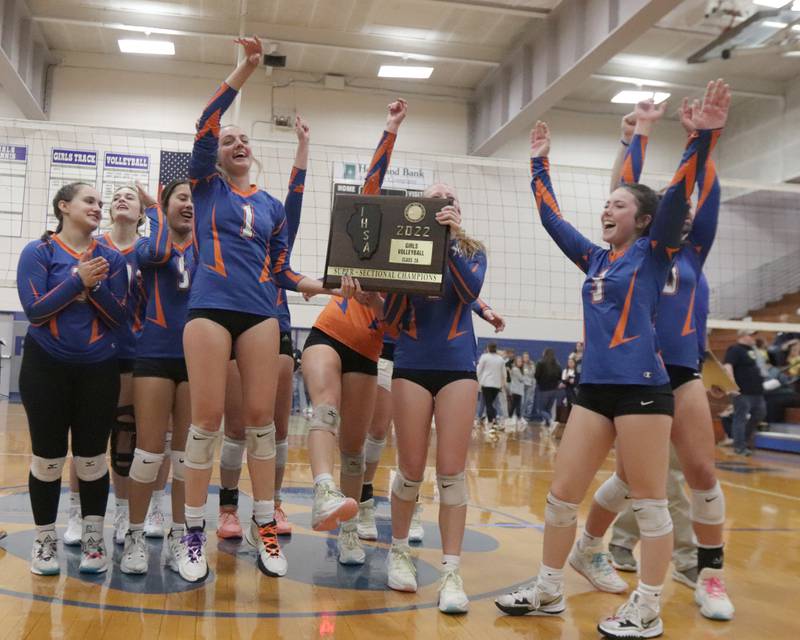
(389, 243)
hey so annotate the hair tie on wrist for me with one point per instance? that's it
(624, 144)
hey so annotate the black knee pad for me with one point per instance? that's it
(123, 441)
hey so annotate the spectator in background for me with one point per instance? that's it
(548, 377)
(577, 355)
(492, 378)
(762, 357)
(569, 381)
(749, 407)
(517, 388)
(782, 341)
(793, 358)
(528, 367)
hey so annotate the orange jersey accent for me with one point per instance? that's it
(354, 325)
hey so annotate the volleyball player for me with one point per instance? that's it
(624, 390)
(73, 291)
(242, 240)
(444, 388)
(340, 365)
(161, 385)
(692, 430)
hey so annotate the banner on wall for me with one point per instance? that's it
(69, 165)
(123, 169)
(348, 177)
(13, 169)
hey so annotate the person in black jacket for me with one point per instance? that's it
(548, 377)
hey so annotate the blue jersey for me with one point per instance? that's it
(701, 308)
(167, 271)
(622, 290)
(68, 321)
(437, 333)
(241, 236)
(293, 206)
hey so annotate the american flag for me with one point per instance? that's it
(174, 165)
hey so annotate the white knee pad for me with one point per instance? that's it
(90, 468)
(200, 445)
(613, 494)
(260, 441)
(231, 453)
(145, 466)
(281, 453)
(558, 513)
(352, 463)
(373, 449)
(167, 443)
(405, 489)
(653, 517)
(452, 490)
(325, 418)
(708, 507)
(178, 464)
(47, 469)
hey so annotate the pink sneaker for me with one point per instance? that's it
(229, 525)
(283, 526)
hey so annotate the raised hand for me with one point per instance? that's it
(450, 215)
(627, 126)
(397, 113)
(253, 50)
(713, 112)
(144, 196)
(649, 111)
(540, 140)
(685, 114)
(302, 130)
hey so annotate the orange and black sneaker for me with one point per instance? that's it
(264, 538)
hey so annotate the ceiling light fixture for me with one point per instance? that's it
(774, 24)
(149, 47)
(403, 71)
(629, 96)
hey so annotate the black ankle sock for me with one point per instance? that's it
(709, 557)
(228, 497)
(366, 491)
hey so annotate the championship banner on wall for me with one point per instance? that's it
(13, 168)
(120, 170)
(348, 178)
(69, 165)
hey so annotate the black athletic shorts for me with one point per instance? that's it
(236, 322)
(170, 368)
(612, 400)
(287, 346)
(125, 365)
(679, 376)
(433, 381)
(352, 361)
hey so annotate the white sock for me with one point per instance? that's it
(322, 477)
(551, 580)
(75, 500)
(121, 504)
(177, 526)
(263, 511)
(41, 530)
(588, 542)
(401, 542)
(138, 526)
(450, 561)
(650, 595)
(93, 523)
(195, 516)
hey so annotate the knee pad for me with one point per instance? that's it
(145, 466)
(405, 489)
(178, 464)
(373, 449)
(612, 495)
(260, 441)
(47, 469)
(708, 507)
(123, 441)
(653, 517)
(452, 490)
(558, 513)
(352, 463)
(200, 446)
(281, 453)
(325, 418)
(90, 468)
(167, 443)
(231, 453)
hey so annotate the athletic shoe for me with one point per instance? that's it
(743, 452)
(229, 525)
(633, 620)
(93, 550)
(686, 576)
(711, 595)
(330, 507)
(174, 550)
(401, 574)
(622, 558)
(3, 533)
(531, 599)
(271, 560)
(725, 442)
(192, 563)
(596, 567)
(452, 598)
(121, 525)
(349, 545)
(134, 556)
(155, 520)
(282, 524)
(72, 536)
(44, 555)
(416, 532)
(367, 529)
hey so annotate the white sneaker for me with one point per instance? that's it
(44, 555)
(367, 529)
(711, 595)
(401, 574)
(330, 507)
(72, 536)
(349, 545)
(596, 567)
(271, 560)
(174, 549)
(531, 599)
(452, 598)
(192, 562)
(134, 556)
(93, 549)
(416, 532)
(155, 520)
(633, 619)
(121, 525)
